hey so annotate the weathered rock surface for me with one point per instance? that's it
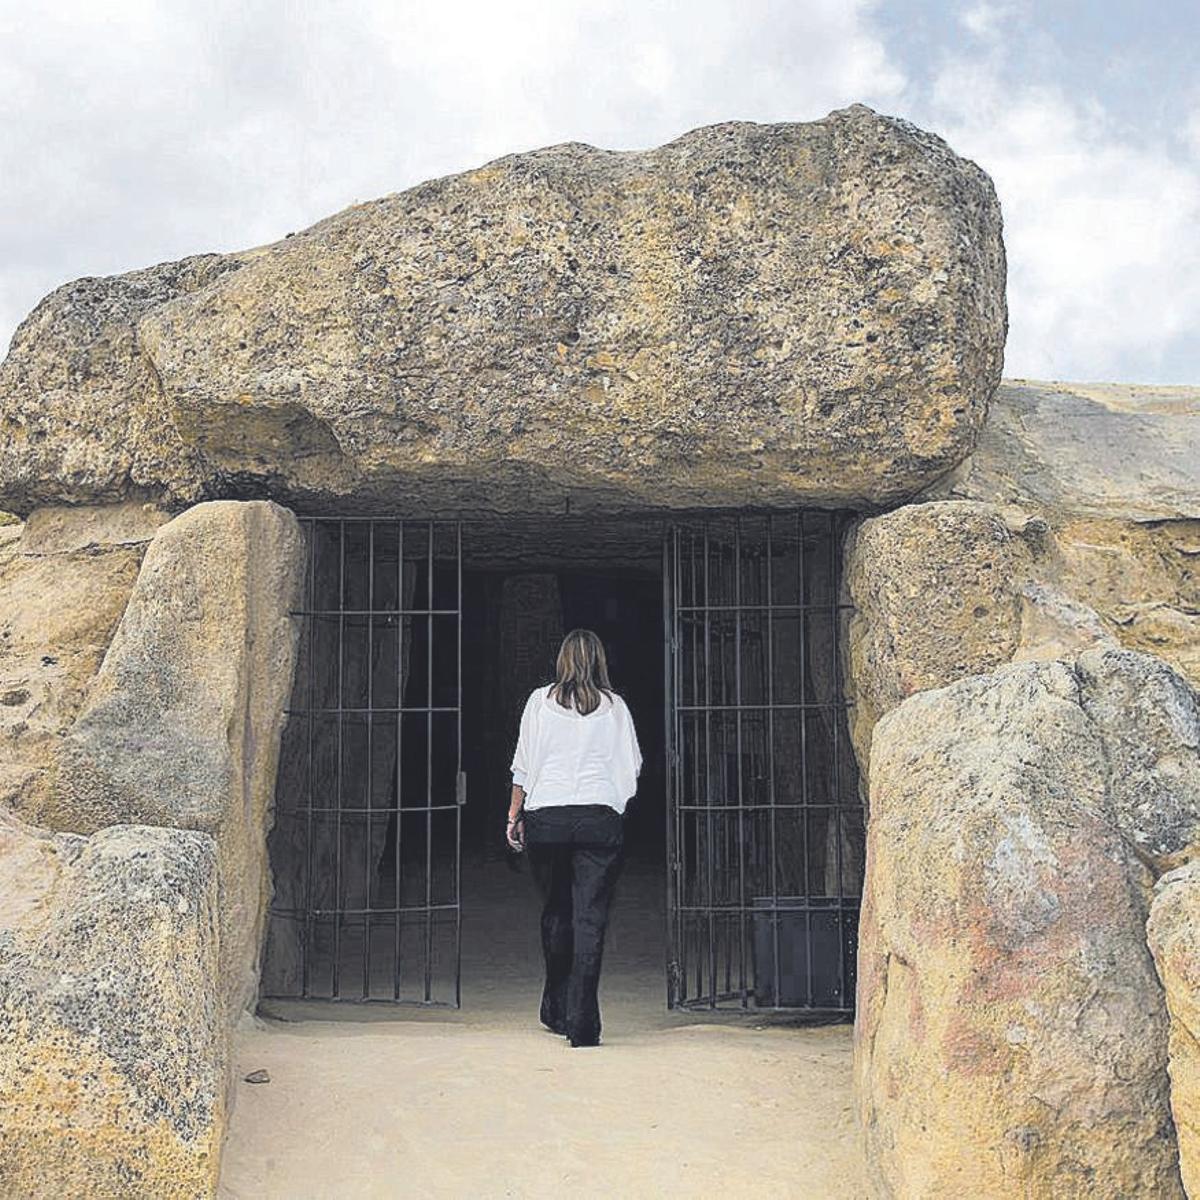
(60, 600)
(752, 313)
(112, 1043)
(1150, 718)
(1086, 450)
(936, 590)
(181, 725)
(59, 528)
(1144, 581)
(1174, 934)
(1011, 1037)
(952, 588)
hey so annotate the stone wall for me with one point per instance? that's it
(1019, 562)
(130, 939)
(181, 725)
(1029, 780)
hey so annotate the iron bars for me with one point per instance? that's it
(366, 846)
(765, 828)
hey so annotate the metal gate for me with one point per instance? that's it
(366, 846)
(765, 828)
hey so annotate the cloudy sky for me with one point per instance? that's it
(135, 131)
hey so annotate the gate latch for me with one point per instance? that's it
(460, 787)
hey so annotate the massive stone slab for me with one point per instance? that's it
(1174, 935)
(751, 313)
(113, 1047)
(1011, 1036)
(181, 724)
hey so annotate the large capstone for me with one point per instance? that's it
(794, 313)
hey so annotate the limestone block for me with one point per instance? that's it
(792, 313)
(1011, 1036)
(1174, 934)
(112, 1042)
(1143, 578)
(181, 725)
(1114, 470)
(1111, 451)
(59, 607)
(937, 595)
(950, 588)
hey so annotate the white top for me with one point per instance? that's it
(564, 757)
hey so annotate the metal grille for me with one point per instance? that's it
(366, 846)
(764, 826)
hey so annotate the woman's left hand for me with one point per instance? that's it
(515, 832)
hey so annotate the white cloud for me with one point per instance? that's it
(1104, 260)
(984, 19)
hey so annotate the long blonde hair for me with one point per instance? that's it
(581, 672)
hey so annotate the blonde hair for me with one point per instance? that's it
(581, 672)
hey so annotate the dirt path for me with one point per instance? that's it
(484, 1103)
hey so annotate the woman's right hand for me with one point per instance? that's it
(515, 832)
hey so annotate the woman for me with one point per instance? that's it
(574, 769)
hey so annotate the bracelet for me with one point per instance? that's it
(518, 817)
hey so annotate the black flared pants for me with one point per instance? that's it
(575, 855)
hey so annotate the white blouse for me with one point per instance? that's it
(564, 757)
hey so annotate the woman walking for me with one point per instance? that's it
(574, 769)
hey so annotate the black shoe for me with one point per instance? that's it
(584, 1041)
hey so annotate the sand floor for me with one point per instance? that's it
(483, 1102)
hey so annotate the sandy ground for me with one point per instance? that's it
(483, 1102)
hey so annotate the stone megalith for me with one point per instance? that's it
(113, 1043)
(1012, 1033)
(181, 725)
(780, 314)
(947, 589)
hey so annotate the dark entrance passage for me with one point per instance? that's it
(420, 642)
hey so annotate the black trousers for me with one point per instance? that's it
(575, 855)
